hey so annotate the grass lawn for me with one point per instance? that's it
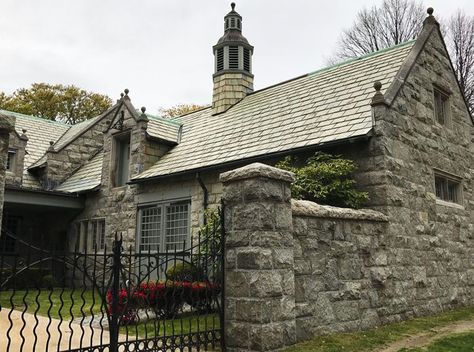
(64, 302)
(458, 343)
(370, 339)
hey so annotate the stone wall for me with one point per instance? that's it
(431, 242)
(296, 269)
(340, 267)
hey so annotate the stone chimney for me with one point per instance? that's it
(233, 78)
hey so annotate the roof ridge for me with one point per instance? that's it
(33, 117)
(159, 118)
(327, 68)
(374, 53)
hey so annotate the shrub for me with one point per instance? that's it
(165, 297)
(325, 179)
(182, 272)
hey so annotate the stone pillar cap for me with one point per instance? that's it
(257, 170)
(7, 123)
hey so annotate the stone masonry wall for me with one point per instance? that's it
(340, 265)
(431, 242)
(64, 162)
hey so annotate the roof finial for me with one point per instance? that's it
(233, 6)
(378, 97)
(23, 135)
(377, 86)
(143, 116)
(51, 148)
(126, 91)
(430, 19)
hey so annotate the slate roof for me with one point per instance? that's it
(86, 178)
(328, 105)
(39, 132)
(164, 129)
(68, 136)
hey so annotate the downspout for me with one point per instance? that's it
(205, 193)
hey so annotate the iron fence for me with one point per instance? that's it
(114, 300)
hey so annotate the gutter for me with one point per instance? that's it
(254, 159)
(42, 191)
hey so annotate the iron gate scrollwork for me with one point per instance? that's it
(114, 300)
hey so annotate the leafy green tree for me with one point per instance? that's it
(57, 102)
(325, 179)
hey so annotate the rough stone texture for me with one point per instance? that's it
(6, 126)
(17, 143)
(340, 268)
(118, 205)
(63, 163)
(260, 304)
(229, 89)
(431, 243)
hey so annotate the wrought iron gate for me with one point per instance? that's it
(114, 300)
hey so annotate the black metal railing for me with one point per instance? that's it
(114, 300)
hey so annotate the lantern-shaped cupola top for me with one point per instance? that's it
(233, 52)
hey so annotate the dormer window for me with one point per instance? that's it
(441, 103)
(122, 159)
(11, 160)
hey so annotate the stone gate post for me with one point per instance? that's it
(259, 268)
(6, 126)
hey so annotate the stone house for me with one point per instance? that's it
(398, 113)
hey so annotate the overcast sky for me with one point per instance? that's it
(161, 50)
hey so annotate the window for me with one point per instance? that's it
(441, 102)
(11, 158)
(122, 159)
(98, 234)
(90, 235)
(82, 231)
(448, 188)
(164, 227)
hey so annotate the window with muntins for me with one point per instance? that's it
(448, 188)
(441, 101)
(164, 226)
(98, 234)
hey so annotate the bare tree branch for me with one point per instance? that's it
(461, 47)
(396, 21)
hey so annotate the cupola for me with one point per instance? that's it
(233, 78)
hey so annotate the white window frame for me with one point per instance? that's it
(164, 233)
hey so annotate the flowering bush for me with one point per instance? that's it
(164, 297)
